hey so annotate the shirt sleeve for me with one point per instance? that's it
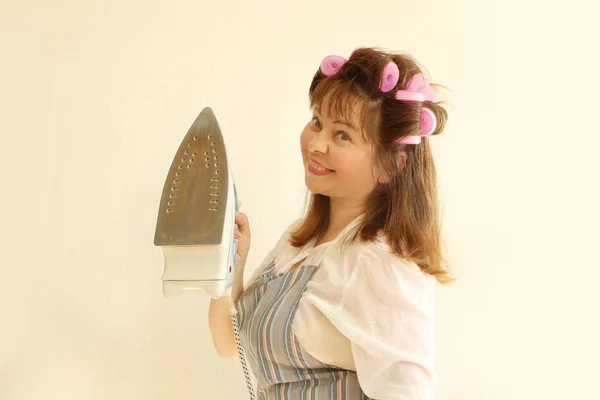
(386, 311)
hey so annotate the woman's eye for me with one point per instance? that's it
(316, 122)
(345, 134)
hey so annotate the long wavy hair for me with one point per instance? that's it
(404, 208)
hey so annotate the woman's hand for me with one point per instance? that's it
(242, 237)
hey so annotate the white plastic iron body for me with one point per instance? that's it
(196, 218)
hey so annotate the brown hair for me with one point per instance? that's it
(405, 208)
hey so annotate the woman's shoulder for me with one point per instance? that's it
(284, 238)
(382, 279)
(375, 262)
(383, 251)
(280, 247)
(406, 268)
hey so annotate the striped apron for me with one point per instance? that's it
(283, 369)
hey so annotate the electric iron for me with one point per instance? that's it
(196, 221)
(196, 218)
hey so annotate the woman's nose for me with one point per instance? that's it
(318, 143)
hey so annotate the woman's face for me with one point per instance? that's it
(338, 146)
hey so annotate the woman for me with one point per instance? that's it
(342, 307)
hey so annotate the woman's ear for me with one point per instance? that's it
(384, 175)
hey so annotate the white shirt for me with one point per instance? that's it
(366, 310)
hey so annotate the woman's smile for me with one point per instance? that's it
(317, 170)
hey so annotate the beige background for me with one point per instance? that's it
(95, 97)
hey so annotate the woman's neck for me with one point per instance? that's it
(340, 215)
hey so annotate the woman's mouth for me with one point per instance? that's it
(318, 170)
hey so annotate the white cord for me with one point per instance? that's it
(236, 330)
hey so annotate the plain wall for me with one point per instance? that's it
(95, 98)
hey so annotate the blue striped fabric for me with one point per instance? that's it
(283, 369)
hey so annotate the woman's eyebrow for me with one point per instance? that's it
(349, 125)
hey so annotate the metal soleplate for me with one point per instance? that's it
(194, 197)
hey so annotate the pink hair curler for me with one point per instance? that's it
(419, 89)
(389, 77)
(332, 64)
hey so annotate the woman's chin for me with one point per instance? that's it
(315, 187)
